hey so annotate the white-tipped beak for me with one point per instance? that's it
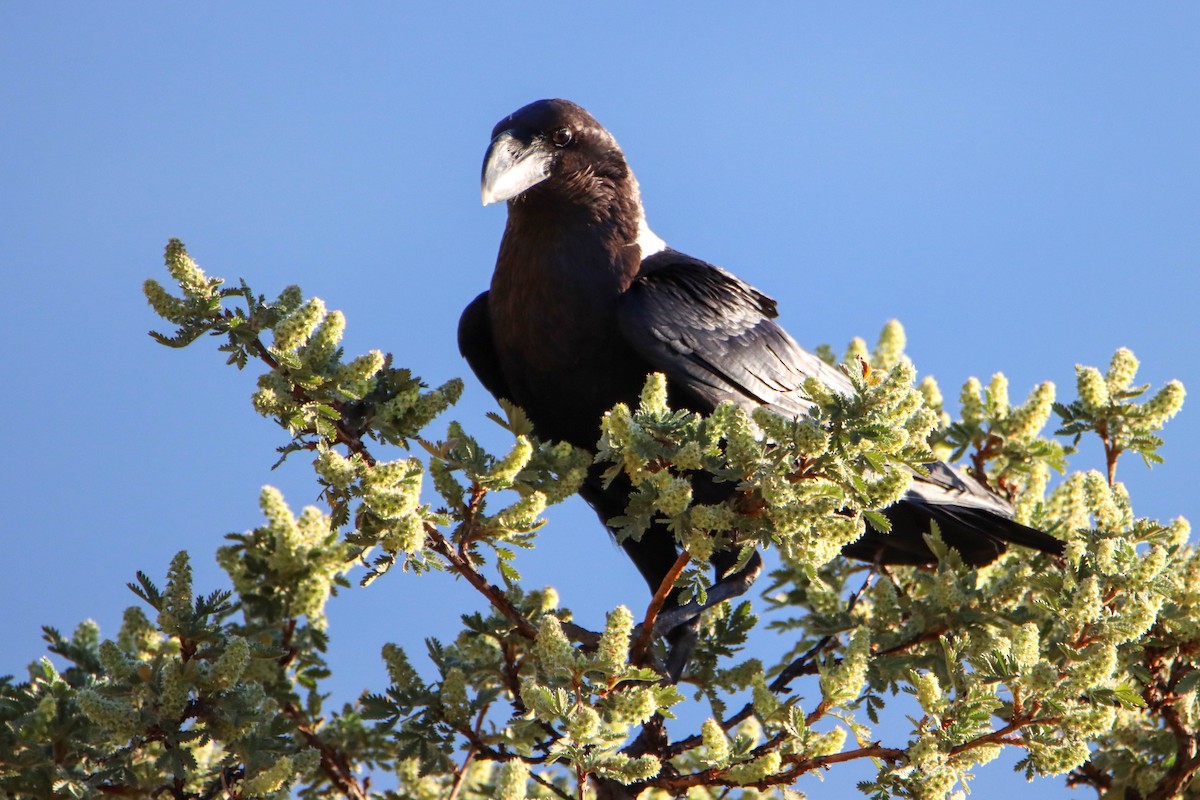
(510, 167)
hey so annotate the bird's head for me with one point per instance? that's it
(556, 149)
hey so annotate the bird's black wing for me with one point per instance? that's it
(714, 338)
(476, 345)
(970, 518)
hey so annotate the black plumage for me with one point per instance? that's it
(585, 301)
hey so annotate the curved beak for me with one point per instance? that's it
(511, 166)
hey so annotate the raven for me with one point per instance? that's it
(586, 301)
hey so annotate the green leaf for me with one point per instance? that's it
(1189, 682)
(146, 590)
(878, 522)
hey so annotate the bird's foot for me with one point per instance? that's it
(682, 624)
(732, 586)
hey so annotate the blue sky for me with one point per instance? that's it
(1019, 184)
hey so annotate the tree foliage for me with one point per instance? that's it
(1087, 663)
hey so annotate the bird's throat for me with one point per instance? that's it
(557, 285)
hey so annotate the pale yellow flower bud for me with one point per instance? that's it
(454, 695)
(1027, 421)
(654, 394)
(929, 693)
(857, 349)
(971, 399)
(890, 348)
(187, 273)
(295, 329)
(1165, 404)
(553, 649)
(514, 775)
(997, 405)
(716, 743)
(228, 667)
(1025, 645)
(507, 468)
(932, 393)
(1121, 370)
(166, 305)
(612, 654)
(361, 369)
(757, 770)
(267, 781)
(324, 342)
(1093, 391)
(115, 716)
(583, 724)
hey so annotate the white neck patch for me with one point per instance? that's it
(649, 242)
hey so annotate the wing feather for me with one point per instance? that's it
(715, 337)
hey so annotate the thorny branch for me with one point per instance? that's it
(1161, 699)
(461, 775)
(334, 762)
(804, 664)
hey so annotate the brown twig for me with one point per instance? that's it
(1112, 452)
(800, 765)
(803, 665)
(1161, 699)
(460, 777)
(468, 532)
(1089, 775)
(1002, 735)
(683, 745)
(289, 651)
(646, 637)
(492, 592)
(979, 459)
(539, 779)
(928, 636)
(334, 762)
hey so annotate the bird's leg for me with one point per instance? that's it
(683, 641)
(682, 623)
(734, 585)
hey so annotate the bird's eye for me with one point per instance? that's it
(562, 137)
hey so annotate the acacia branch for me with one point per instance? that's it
(1003, 735)
(547, 784)
(1088, 774)
(800, 765)
(928, 636)
(334, 763)
(1161, 699)
(991, 447)
(804, 664)
(461, 776)
(683, 745)
(1112, 451)
(491, 591)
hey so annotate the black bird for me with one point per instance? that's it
(586, 301)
